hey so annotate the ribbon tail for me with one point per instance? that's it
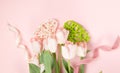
(96, 52)
(19, 40)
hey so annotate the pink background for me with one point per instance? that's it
(100, 17)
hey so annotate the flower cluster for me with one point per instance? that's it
(59, 49)
(56, 46)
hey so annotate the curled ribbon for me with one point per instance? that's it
(19, 40)
(95, 54)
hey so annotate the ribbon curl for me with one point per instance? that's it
(19, 40)
(95, 54)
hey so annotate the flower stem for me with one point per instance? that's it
(82, 67)
(59, 57)
(69, 66)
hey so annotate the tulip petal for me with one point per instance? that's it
(36, 46)
(65, 52)
(72, 50)
(81, 51)
(45, 44)
(69, 52)
(60, 37)
(52, 45)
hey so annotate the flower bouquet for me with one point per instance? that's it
(59, 49)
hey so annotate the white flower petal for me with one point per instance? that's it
(65, 52)
(81, 51)
(70, 52)
(36, 46)
(52, 45)
(60, 37)
(45, 44)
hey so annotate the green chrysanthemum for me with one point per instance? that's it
(77, 32)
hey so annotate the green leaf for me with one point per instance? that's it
(65, 64)
(34, 68)
(46, 58)
(77, 33)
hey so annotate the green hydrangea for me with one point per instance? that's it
(77, 32)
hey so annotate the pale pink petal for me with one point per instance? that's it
(69, 52)
(65, 52)
(36, 46)
(52, 45)
(47, 28)
(60, 37)
(81, 51)
(72, 50)
(45, 44)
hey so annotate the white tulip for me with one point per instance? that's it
(50, 44)
(81, 52)
(36, 46)
(60, 37)
(69, 52)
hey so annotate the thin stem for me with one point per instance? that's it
(82, 67)
(69, 69)
(59, 57)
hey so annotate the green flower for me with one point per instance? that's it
(77, 33)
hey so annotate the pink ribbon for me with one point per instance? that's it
(19, 40)
(77, 63)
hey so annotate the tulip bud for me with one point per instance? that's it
(60, 37)
(50, 44)
(69, 52)
(81, 51)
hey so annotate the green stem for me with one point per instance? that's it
(57, 69)
(82, 67)
(69, 66)
(60, 57)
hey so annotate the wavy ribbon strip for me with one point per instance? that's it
(96, 54)
(19, 40)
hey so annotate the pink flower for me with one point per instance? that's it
(46, 33)
(47, 28)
